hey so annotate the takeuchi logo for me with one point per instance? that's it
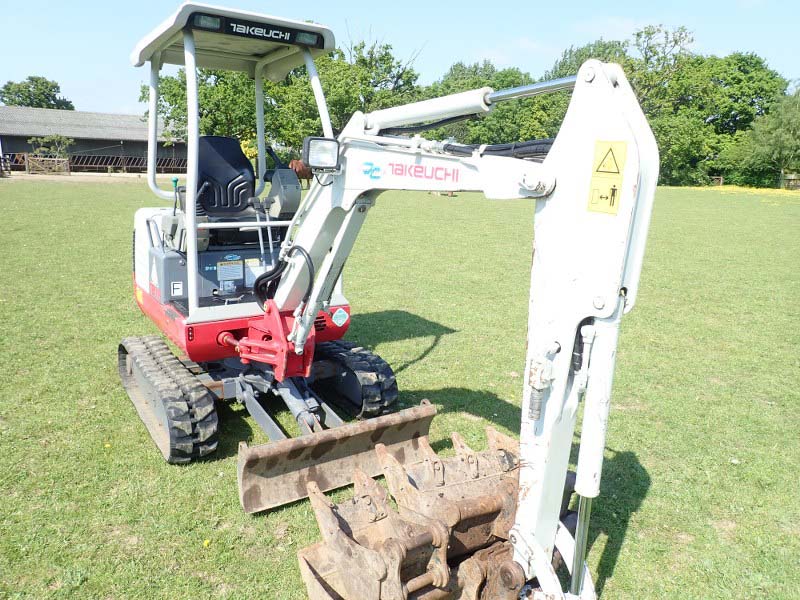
(435, 173)
(263, 32)
(372, 170)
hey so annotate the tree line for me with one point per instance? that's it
(712, 116)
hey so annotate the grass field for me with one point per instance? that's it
(700, 488)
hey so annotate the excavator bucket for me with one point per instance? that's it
(277, 473)
(448, 537)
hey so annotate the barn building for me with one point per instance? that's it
(103, 142)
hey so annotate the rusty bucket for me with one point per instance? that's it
(446, 538)
(278, 472)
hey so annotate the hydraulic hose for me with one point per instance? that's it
(265, 284)
(309, 266)
(527, 149)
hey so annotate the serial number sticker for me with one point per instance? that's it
(230, 269)
(605, 188)
(252, 269)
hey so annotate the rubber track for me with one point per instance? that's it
(377, 380)
(189, 406)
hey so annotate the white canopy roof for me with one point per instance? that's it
(235, 40)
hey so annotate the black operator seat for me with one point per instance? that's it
(225, 178)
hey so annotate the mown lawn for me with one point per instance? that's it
(701, 477)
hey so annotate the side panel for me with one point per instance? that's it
(144, 239)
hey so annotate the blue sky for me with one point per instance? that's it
(85, 45)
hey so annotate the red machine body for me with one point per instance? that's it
(261, 338)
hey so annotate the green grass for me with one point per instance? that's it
(701, 478)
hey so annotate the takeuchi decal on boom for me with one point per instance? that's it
(425, 172)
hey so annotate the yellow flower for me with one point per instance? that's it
(106, 445)
(206, 543)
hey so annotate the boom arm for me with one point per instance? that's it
(594, 194)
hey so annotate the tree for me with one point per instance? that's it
(364, 78)
(36, 92)
(384, 80)
(699, 107)
(368, 77)
(547, 112)
(51, 145)
(703, 106)
(226, 99)
(518, 120)
(659, 55)
(727, 93)
(461, 77)
(684, 145)
(572, 58)
(762, 155)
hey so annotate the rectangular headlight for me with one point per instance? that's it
(321, 154)
(207, 22)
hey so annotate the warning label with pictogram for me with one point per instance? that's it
(605, 189)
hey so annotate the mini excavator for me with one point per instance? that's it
(247, 283)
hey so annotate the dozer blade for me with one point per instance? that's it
(278, 472)
(448, 538)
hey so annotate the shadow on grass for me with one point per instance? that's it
(233, 428)
(479, 403)
(371, 329)
(623, 488)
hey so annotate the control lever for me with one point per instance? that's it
(263, 206)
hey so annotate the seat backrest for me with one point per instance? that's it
(225, 177)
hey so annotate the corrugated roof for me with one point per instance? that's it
(37, 122)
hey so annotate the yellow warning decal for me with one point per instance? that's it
(605, 189)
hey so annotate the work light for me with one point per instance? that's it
(321, 154)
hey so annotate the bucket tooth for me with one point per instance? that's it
(500, 441)
(505, 448)
(466, 454)
(459, 445)
(274, 474)
(365, 487)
